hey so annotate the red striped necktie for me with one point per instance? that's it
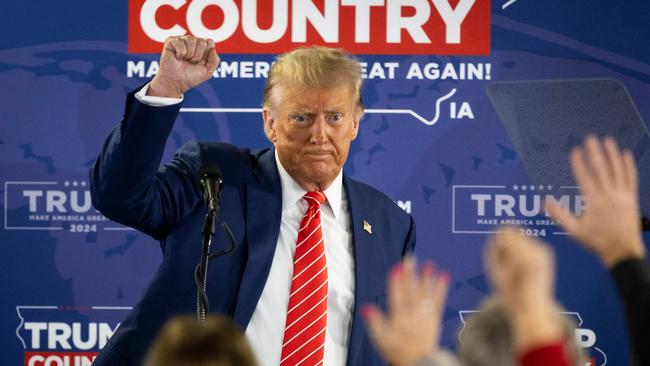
(304, 331)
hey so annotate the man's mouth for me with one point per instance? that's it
(318, 153)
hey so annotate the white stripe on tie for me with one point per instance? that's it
(302, 345)
(309, 355)
(308, 236)
(299, 333)
(309, 220)
(306, 298)
(307, 252)
(305, 284)
(305, 313)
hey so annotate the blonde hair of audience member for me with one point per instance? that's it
(185, 341)
(315, 67)
(487, 338)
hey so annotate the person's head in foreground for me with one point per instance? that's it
(487, 338)
(185, 341)
(311, 110)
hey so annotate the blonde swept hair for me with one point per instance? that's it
(316, 67)
(185, 341)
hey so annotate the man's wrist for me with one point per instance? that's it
(160, 87)
(154, 101)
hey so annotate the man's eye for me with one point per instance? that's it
(336, 117)
(299, 118)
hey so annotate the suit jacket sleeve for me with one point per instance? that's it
(632, 278)
(126, 182)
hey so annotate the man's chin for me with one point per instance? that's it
(322, 177)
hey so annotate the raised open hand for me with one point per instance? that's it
(610, 225)
(410, 330)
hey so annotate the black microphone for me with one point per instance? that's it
(210, 179)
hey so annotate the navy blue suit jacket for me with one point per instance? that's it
(129, 186)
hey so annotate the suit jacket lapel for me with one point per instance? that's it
(365, 262)
(263, 215)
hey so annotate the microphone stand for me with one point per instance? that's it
(210, 181)
(201, 271)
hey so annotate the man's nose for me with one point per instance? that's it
(319, 130)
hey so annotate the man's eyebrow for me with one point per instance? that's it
(301, 111)
(299, 107)
(306, 109)
(335, 110)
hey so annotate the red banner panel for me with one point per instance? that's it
(59, 358)
(449, 27)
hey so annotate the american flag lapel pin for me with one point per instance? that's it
(367, 227)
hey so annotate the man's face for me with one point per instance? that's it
(312, 130)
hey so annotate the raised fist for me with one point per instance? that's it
(185, 63)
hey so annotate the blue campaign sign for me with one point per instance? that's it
(467, 125)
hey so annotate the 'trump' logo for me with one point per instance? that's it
(453, 27)
(53, 205)
(481, 209)
(70, 336)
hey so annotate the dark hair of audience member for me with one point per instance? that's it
(184, 341)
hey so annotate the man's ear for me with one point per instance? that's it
(355, 127)
(269, 124)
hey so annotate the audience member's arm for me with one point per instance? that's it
(522, 271)
(632, 277)
(409, 334)
(126, 182)
(611, 228)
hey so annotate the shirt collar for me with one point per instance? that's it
(292, 192)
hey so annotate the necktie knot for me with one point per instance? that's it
(315, 198)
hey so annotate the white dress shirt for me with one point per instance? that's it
(265, 331)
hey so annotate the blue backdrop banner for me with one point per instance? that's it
(471, 109)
